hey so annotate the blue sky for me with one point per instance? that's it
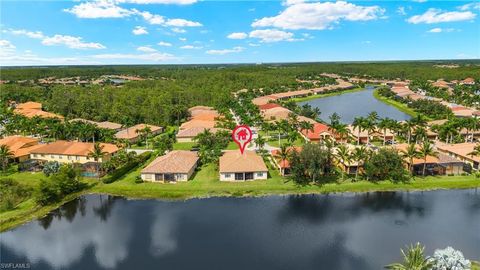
(192, 31)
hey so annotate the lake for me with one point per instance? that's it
(342, 231)
(351, 105)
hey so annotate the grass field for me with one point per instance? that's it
(341, 92)
(400, 106)
(205, 183)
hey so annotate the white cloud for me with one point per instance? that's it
(178, 30)
(401, 11)
(253, 44)
(71, 42)
(440, 30)
(420, 1)
(23, 32)
(175, 2)
(433, 15)
(155, 57)
(470, 6)
(182, 23)
(319, 15)
(151, 18)
(225, 51)
(237, 35)
(182, 39)
(99, 9)
(139, 30)
(6, 46)
(165, 44)
(146, 49)
(272, 35)
(190, 47)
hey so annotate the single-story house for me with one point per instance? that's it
(187, 135)
(71, 152)
(132, 134)
(20, 146)
(267, 106)
(32, 109)
(178, 165)
(276, 114)
(460, 151)
(235, 166)
(320, 132)
(263, 100)
(283, 164)
(197, 110)
(104, 124)
(197, 123)
(441, 164)
(468, 81)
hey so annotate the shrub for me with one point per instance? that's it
(449, 258)
(51, 167)
(134, 163)
(12, 193)
(385, 164)
(138, 180)
(59, 185)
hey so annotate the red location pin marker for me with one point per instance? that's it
(242, 135)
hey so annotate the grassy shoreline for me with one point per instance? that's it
(400, 106)
(205, 184)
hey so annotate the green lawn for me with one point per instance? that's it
(274, 142)
(205, 183)
(400, 106)
(183, 145)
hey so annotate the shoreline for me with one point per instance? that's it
(400, 106)
(242, 191)
(335, 93)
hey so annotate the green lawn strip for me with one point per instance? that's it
(336, 93)
(183, 145)
(400, 106)
(274, 142)
(205, 183)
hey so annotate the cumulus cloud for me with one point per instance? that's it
(470, 6)
(440, 30)
(182, 23)
(6, 46)
(319, 15)
(140, 30)
(178, 30)
(146, 49)
(71, 42)
(165, 44)
(99, 9)
(190, 47)
(166, 2)
(433, 15)
(401, 11)
(237, 35)
(225, 51)
(272, 35)
(151, 18)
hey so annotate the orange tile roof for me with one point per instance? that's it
(30, 105)
(197, 123)
(233, 161)
(194, 131)
(30, 113)
(277, 113)
(205, 117)
(109, 125)
(72, 148)
(16, 143)
(460, 149)
(318, 129)
(131, 132)
(285, 163)
(268, 106)
(179, 161)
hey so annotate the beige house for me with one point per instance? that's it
(132, 134)
(174, 166)
(235, 166)
(20, 146)
(71, 152)
(461, 151)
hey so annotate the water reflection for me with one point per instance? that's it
(349, 231)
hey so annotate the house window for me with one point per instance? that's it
(69, 157)
(227, 175)
(60, 157)
(260, 174)
(35, 155)
(77, 158)
(42, 155)
(148, 177)
(52, 156)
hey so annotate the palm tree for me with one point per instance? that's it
(476, 151)
(413, 259)
(360, 154)
(395, 126)
(334, 119)
(358, 125)
(260, 141)
(304, 126)
(5, 156)
(97, 153)
(409, 125)
(410, 153)
(384, 124)
(342, 131)
(426, 149)
(343, 155)
(369, 126)
(283, 155)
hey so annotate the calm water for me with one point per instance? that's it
(351, 105)
(351, 231)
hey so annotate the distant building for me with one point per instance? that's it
(467, 81)
(235, 166)
(460, 151)
(174, 166)
(319, 133)
(71, 152)
(34, 109)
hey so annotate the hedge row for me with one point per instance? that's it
(137, 161)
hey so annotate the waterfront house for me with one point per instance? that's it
(71, 152)
(460, 151)
(20, 146)
(283, 164)
(178, 165)
(235, 166)
(133, 134)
